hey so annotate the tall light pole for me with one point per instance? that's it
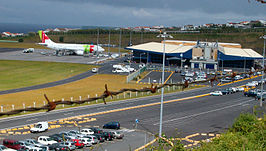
(164, 35)
(140, 57)
(262, 77)
(109, 42)
(119, 41)
(97, 46)
(181, 55)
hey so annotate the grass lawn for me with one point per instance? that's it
(21, 45)
(90, 86)
(17, 74)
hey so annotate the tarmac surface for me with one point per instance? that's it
(189, 115)
(47, 55)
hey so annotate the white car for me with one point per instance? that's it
(40, 127)
(250, 84)
(216, 93)
(45, 140)
(94, 70)
(86, 131)
(92, 138)
(241, 89)
(87, 141)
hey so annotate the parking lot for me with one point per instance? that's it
(132, 139)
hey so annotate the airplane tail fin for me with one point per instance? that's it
(44, 38)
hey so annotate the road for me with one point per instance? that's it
(105, 68)
(185, 107)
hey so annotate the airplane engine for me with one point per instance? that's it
(80, 52)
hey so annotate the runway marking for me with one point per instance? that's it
(168, 77)
(193, 115)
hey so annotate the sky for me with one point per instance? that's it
(129, 13)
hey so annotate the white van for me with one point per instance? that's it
(39, 127)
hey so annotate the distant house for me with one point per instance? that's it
(61, 29)
(9, 34)
(187, 27)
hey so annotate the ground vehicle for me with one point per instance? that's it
(25, 144)
(4, 148)
(108, 136)
(12, 144)
(112, 125)
(56, 137)
(237, 77)
(94, 70)
(78, 143)
(250, 93)
(67, 135)
(69, 144)
(40, 127)
(250, 84)
(258, 97)
(29, 50)
(226, 79)
(86, 131)
(57, 146)
(96, 130)
(216, 93)
(93, 139)
(118, 134)
(87, 141)
(99, 136)
(33, 142)
(232, 90)
(45, 140)
(225, 91)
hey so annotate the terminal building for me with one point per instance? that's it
(204, 55)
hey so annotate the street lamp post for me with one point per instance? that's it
(262, 77)
(181, 55)
(164, 35)
(140, 57)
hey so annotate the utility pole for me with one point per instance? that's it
(119, 42)
(109, 42)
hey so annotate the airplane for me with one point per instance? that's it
(78, 49)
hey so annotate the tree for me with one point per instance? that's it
(262, 1)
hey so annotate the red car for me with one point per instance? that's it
(12, 144)
(78, 143)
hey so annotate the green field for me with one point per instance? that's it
(17, 74)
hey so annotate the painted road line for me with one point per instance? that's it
(168, 77)
(146, 145)
(206, 112)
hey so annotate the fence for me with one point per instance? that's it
(135, 74)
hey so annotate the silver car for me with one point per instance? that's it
(70, 145)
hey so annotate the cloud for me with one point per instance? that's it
(129, 12)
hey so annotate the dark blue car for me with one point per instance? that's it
(112, 125)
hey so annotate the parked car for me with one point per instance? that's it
(33, 142)
(45, 140)
(216, 93)
(226, 80)
(86, 131)
(4, 148)
(94, 70)
(117, 134)
(250, 93)
(225, 91)
(93, 139)
(14, 144)
(99, 136)
(108, 136)
(78, 143)
(96, 130)
(87, 141)
(69, 144)
(25, 144)
(57, 147)
(112, 125)
(232, 89)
